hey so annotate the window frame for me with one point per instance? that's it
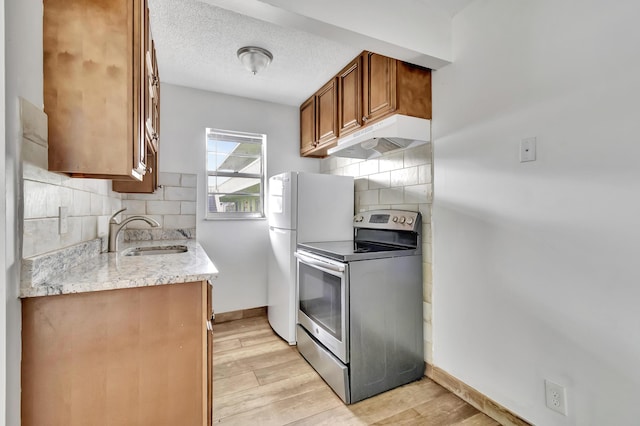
(259, 215)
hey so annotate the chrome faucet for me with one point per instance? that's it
(115, 227)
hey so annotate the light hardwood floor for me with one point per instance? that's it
(258, 379)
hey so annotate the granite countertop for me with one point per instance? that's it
(109, 271)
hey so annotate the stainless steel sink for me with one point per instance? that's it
(153, 250)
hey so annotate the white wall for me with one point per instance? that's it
(238, 248)
(535, 264)
(23, 67)
(3, 281)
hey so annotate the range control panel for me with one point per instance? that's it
(402, 220)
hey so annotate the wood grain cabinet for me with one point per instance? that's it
(369, 89)
(319, 121)
(394, 87)
(350, 97)
(136, 356)
(94, 73)
(151, 119)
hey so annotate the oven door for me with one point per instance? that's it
(323, 290)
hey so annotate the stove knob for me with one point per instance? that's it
(395, 218)
(402, 219)
(358, 218)
(409, 221)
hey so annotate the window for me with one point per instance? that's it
(235, 174)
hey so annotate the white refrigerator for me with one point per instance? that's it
(302, 207)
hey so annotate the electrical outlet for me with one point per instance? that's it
(556, 397)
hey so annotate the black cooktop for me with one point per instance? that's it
(346, 251)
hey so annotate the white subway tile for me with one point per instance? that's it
(163, 207)
(369, 167)
(189, 180)
(179, 194)
(34, 122)
(379, 180)
(188, 207)
(343, 162)
(424, 173)
(103, 225)
(135, 206)
(140, 224)
(40, 236)
(391, 162)
(156, 196)
(417, 193)
(96, 204)
(34, 154)
(351, 170)
(81, 203)
(404, 177)
(426, 312)
(391, 196)
(89, 227)
(408, 207)
(169, 179)
(425, 209)
(73, 234)
(38, 174)
(179, 221)
(35, 199)
(361, 184)
(366, 198)
(417, 156)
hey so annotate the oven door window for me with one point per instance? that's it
(321, 298)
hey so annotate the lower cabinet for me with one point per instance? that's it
(137, 356)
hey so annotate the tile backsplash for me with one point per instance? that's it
(398, 180)
(173, 205)
(89, 202)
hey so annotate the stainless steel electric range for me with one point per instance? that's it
(360, 305)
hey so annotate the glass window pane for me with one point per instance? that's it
(229, 153)
(232, 185)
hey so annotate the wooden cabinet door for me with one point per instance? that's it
(307, 125)
(132, 356)
(379, 86)
(350, 97)
(326, 113)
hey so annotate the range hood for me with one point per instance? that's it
(392, 133)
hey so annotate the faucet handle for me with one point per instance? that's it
(112, 219)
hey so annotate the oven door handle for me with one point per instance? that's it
(319, 264)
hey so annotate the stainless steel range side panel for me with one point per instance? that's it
(386, 336)
(328, 366)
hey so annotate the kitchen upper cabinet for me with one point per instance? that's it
(350, 97)
(151, 119)
(369, 89)
(379, 86)
(94, 68)
(326, 113)
(135, 356)
(319, 121)
(394, 87)
(308, 125)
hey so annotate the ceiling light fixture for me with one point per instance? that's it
(255, 59)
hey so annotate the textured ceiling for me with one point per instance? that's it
(196, 44)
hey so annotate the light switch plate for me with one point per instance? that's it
(528, 150)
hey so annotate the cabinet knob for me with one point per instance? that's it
(364, 119)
